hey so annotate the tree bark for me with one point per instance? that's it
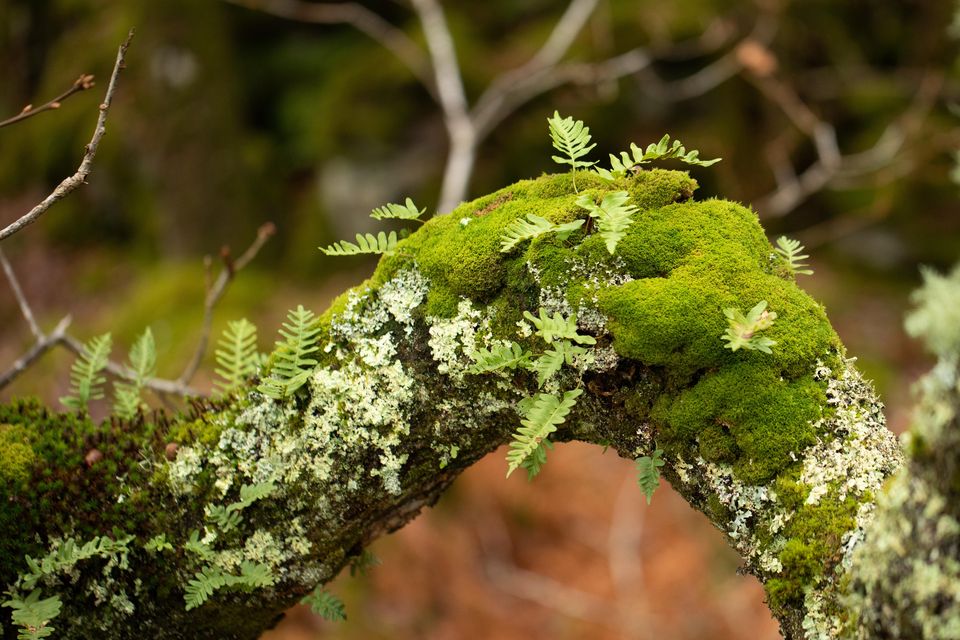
(785, 452)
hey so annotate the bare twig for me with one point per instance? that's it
(77, 179)
(43, 344)
(362, 19)
(215, 291)
(21, 299)
(82, 83)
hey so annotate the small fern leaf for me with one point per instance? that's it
(86, 373)
(543, 414)
(293, 363)
(381, 243)
(503, 356)
(613, 215)
(143, 364)
(648, 473)
(556, 327)
(663, 150)
(534, 226)
(237, 357)
(570, 138)
(326, 605)
(791, 251)
(202, 586)
(552, 360)
(391, 211)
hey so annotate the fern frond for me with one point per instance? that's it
(158, 543)
(648, 473)
(86, 373)
(742, 332)
(211, 579)
(362, 563)
(293, 365)
(33, 615)
(613, 215)
(534, 226)
(237, 357)
(790, 250)
(556, 327)
(662, 150)
(391, 211)
(195, 546)
(381, 243)
(326, 605)
(504, 356)
(548, 364)
(143, 364)
(543, 414)
(572, 139)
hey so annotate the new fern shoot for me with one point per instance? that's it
(293, 362)
(572, 139)
(86, 374)
(743, 329)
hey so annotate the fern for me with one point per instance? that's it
(534, 226)
(790, 250)
(648, 473)
(237, 357)
(195, 546)
(362, 563)
(548, 364)
(571, 139)
(143, 364)
(293, 365)
(228, 517)
(742, 332)
(504, 356)
(543, 413)
(613, 215)
(86, 374)
(368, 243)
(619, 167)
(68, 554)
(158, 543)
(211, 579)
(556, 327)
(326, 605)
(33, 615)
(391, 211)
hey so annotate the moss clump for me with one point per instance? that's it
(16, 455)
(744, 414)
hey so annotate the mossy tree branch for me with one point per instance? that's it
(783, 451)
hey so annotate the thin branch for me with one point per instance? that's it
(79, 178)
(216, 291)
(21, 299)
(358, 16)
(43, 344)
(82, 83)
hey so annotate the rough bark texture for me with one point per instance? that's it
(784, 452)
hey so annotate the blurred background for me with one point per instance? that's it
(836, 119)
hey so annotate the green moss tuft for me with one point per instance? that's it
(16, 455)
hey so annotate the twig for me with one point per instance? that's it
(216, 291)
(43, 344)
(82, 83)
(77, 179)
(361, 18)
(21, 299)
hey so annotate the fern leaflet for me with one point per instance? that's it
(33, 615)
(237, 357)
(790, 250)
(543, 413)
(556, 327)
(534, 226)
(742, 332)
(571, 139)
(619, 167)
(648, 473)
(86, 374)
(211, 579)
(613, 216)
(504, 356)
(292, 364)
(391, 211)
(326, 605)
(552, 360)
(381, 243)
(143, 364)
(195, 546)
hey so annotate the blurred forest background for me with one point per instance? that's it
(836, 119)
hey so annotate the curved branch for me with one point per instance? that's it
(70, 184)
(82, 83)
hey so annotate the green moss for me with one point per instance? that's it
(744, 414)
(16, 455)
(201, 430)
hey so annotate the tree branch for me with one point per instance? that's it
(82, 83)
(216, 290)
(78, 178)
